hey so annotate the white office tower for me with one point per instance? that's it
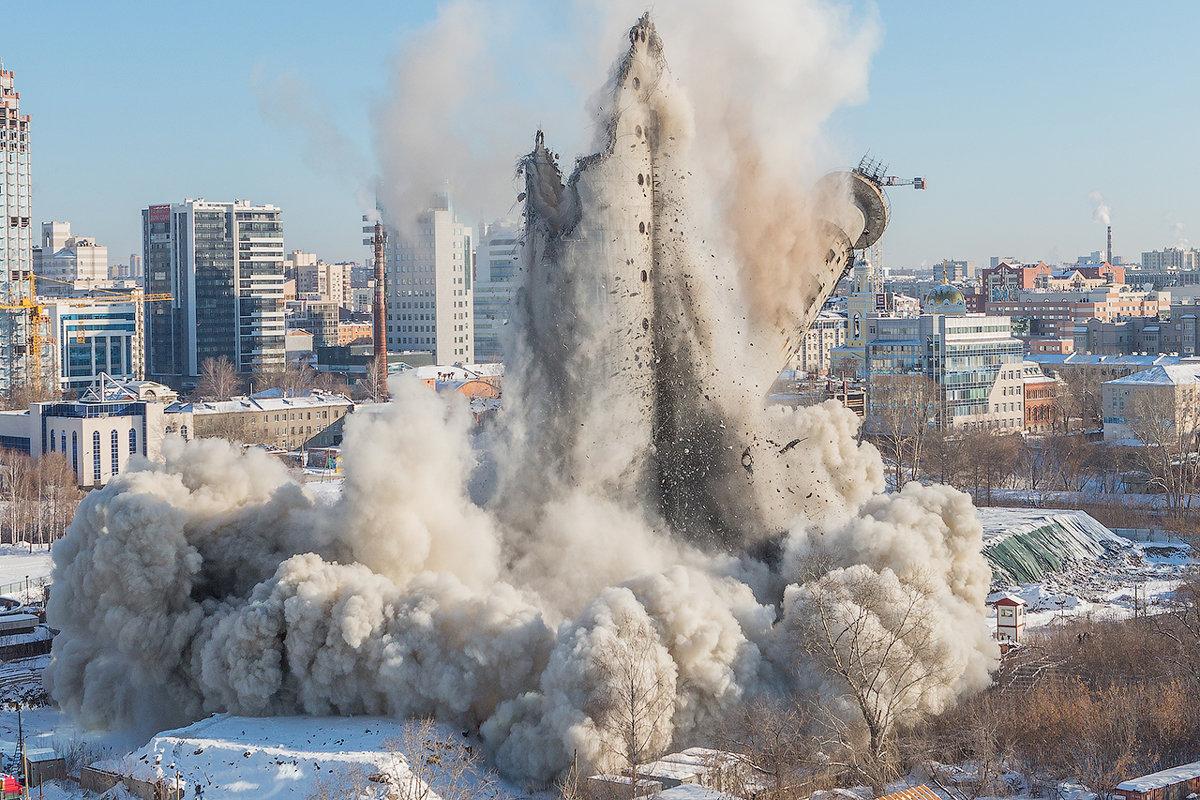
(223, 265)
(16, 233)
(429, 283)
(495, 288)
(65, 264)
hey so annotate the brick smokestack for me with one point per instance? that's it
(1109, 251)
(379, 314)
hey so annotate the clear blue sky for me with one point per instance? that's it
(1013, 112)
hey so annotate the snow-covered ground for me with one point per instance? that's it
(326, 488)
(1139, 577)
(20, 561)
(301, 757)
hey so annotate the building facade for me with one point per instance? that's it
(495, 287)
(65, 264)
(223, 264)
(111, 424)
(974, 360)
(953, 272)
(327, 282)
(285, 421)
(1005, 279)
(1170, 393)
(1171, 258)
(1040, 393)
(1176, 333)
(1056, 314)
(16, 232)
(95, 337)
(815, 355)
(429, 287)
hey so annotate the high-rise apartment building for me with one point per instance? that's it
(16, 232)
(324, 282)
(495, 287)
(64, 263)
(1171, 258)
(429, 287)
(953, 272)
(223, 264)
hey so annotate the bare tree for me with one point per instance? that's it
(991, 458)
(370, 387)
(1167, 429)
(436, 763)
(772, 736)
(903, 410)
(1069, 457)
(294, 379)
(1078, 399)
(42, 495)
(636, 700)
(874, 639)
(219, 380)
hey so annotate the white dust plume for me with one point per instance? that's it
(652, 534)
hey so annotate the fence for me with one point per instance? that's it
(28, 589)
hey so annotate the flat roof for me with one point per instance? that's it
(1160, 780)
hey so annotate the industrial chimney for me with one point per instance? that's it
(1109, 251)
(378, 240)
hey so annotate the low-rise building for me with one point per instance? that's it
(1099, 367)
(110, 424)
(1162, 397)
(277, 419)
(1040, 392)
(1055, 314)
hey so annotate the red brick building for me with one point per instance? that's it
(1040, 392)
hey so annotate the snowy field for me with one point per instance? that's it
(18, 562)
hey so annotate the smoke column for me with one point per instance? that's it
(643, 517)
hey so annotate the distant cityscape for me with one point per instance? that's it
(215, 283)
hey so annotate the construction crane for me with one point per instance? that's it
(38, 334)
(37, 326)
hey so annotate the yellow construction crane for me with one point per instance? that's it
(38, 334)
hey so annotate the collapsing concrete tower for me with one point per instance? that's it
(619, 322)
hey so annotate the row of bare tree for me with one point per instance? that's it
(40, 496)
(908, 425)
(220, 380)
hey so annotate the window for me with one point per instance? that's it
(116, 452)
(64, 442)
(53, 441)
(132, 441)
(96, 457)
(183, 432)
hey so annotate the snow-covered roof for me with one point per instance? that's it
(284, 757)
(1163, 375)
(1159, 780)
(459, 372)
(692, 791)
(271, 400)
(1083, 359)
(1005, 598)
